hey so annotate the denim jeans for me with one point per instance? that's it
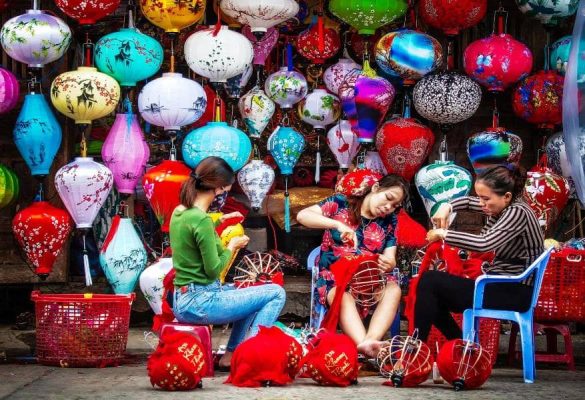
(247, 308)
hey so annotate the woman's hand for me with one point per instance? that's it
(235, 214)
(386, 263)
(348, 235)
(436, 234)
(238, 242)
(441, 218)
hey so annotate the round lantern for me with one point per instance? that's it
(493, 146)
(260, 14)
(556, 154)
(559, 57)
(41, 231)
(234, 85)
(151, 282)
(162, 184)
(35, 38)
(37, 134)
(548, 12)
(256, 109)
(319, 109)
(367, 15)
(446, 97)
(453, 16)
(87, 12)
(343, 143)
(404, 144)
(173, 16)
(128, 56)
(406, 361)
(497, 62)
(218, 56)
(9, 186)
(316, 46)
(464, 364)
(125, 152)
(262, 47)
(256, 179)
(408, 54)
(85, 94)
(286, 87)
(9, 91)
(336, 73)
(172, 101)
(538, 99)
(546, 193)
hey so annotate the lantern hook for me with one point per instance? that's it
(173, 151)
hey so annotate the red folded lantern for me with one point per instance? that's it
(465, 365)
(87, 12)
(452, 16)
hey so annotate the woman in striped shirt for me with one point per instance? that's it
(512, 231)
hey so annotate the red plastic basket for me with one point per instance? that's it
(562, 295)
(81, 330)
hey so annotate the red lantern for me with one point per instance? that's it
(464, 364)
(87, 12)
(318, 43)
(406, 361)
(162, 185)
(538, 99)
(41, 231)
(452, 16)
(546, 193)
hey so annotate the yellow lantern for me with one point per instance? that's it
(228, 233)
(173, 15)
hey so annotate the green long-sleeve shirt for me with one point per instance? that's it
(198, 254)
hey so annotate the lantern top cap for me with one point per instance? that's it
(83, 158)
(175, 74)
(84, 68)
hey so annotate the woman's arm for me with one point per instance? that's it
(441, 217)
(312, 217)
(214, 259)
(387, 260)
(467, 203)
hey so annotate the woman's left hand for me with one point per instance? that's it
(436, 234)
(235, 214)
(386, 263)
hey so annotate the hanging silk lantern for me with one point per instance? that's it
(546, 193)
(365, 98)
(408, 54)
(218, 56)
(125, 152)
(151, 282)
(316, 46)
(440, 183)
(367, 15)
(260, 14)
(122, 256)
(548, 12)
(35, 38)
(373, 162)
(234, 85)
(464, 364)
(336, 73)
(285, 87)
(343, 143)
(319, 109)
(557, 158)
(217, 139)
(9, 186)
(87, 12)
(492, 147)
(172, 16)
(41, 231)
(37, 134)
(559, 57)
(256, 109)
(452, 16)
(9, 91)
(446, 97)
(172, 101)
(256, 179)
(538, 99)
(262, 47)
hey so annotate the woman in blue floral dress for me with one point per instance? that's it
(359, 219)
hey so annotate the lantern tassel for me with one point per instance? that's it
(318, 162)
(86, 270)
(286, 206)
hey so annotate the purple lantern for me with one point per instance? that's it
(9, 91)
(262, 47)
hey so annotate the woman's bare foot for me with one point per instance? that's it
(226, 360)
(370, 347)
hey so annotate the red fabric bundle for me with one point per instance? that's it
(232, 205)
(270, 358)
(357, 182)
(228, 222)
(409, 233)
(178, 363)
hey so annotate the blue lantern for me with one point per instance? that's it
(128, 56)
(37, 134)
(217, 139)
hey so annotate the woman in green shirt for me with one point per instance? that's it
(199, 257)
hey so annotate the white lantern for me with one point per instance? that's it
(172, 101)
(260, 14)
(218, 57)
(320, 108)
(256, 109)
(343, 143)
(374, 162)
(255, 179)
(286, 87)
(151, 282)
(336, 73)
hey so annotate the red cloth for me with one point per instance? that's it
(228, 222)
(357, 182)
(409, 233)
(277, 278)
(232, 205)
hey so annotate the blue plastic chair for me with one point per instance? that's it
(523, 319)
(318, 310)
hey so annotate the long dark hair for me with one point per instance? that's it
(355, 202)
(502, 180)
(211, 173)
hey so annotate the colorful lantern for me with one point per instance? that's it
(262, 47)
(9, 186)
(122, 256)
(162, 184)
(9, 91)
(365, 98)
(464, 364)
(343, 143)
(493, 146)
(546, 193)
(256, 109)
(319, 109)
(41, 231)
(260, 14)
(373, 162)
(125, 152)
(87, 12)
(538, 99)
(406, 361)
(85, 94)
(446, 97)
(35, 38)
(408, 54)
(37, 134)
(256, 179)
(151, 282)
(452, 16)
(172, 101)
(318, 43)
(286, 87)
(219, 55)
(172, 16)
(234, 85)
(367, 15)
(559, 57)
(548, 12)
(336, 73)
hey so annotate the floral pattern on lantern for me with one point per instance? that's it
(286, 87)
(336, 73)
(373, 162)
(548, 12)
(256, 109)
(452, 16)
(492, 147)
(256, 179)
(343, 143)
(9, 91)
(173, 16)
(546, 193)
(87, 12)
(151, 282)
(556, 155)
(286, 145)
(9, 186)
(262, 47)
(234, 85)
(367, 15)
(260, 14)
(319, 109)
(317, 49)
(538, 99)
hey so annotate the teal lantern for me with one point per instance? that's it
(128, 56)
(217, 139)
(9, 186)
(559, 56)
(37, 134)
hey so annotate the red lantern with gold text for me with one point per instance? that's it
(318, 42)
(452, 16)
(41, 230)
(538, 99)
(464, 364)
(87, 12)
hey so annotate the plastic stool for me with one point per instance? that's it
(203, 333)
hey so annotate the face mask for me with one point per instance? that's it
(218, 202)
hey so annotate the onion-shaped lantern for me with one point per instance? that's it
(452, 16)
(262, 47)
(151, 282)
(367, 15)
(9, 91)
(285, 87)
(9, 186)
(256, 109)
(538, 99)
(256, 179)
(87, 12)
(406, 361)
(493, 146)
(35, 38)
(336, 73)
(546, 193)
(319, 108)
(234, 85)
(343, 143)
(172, 16)
(318, 43)
(260, 14)
(464, 364)
(548, 12)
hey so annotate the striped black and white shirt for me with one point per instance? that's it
(514, 235)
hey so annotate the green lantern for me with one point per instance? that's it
(368, 15)
(9, 186)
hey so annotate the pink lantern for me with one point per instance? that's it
(125, 152)
(343, 143)
(9, 91)
(262, 47)
(335, 74)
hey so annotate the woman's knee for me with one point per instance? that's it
(429, 280)
(278, 292)
(393, 291)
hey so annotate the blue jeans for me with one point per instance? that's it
(247, 308)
